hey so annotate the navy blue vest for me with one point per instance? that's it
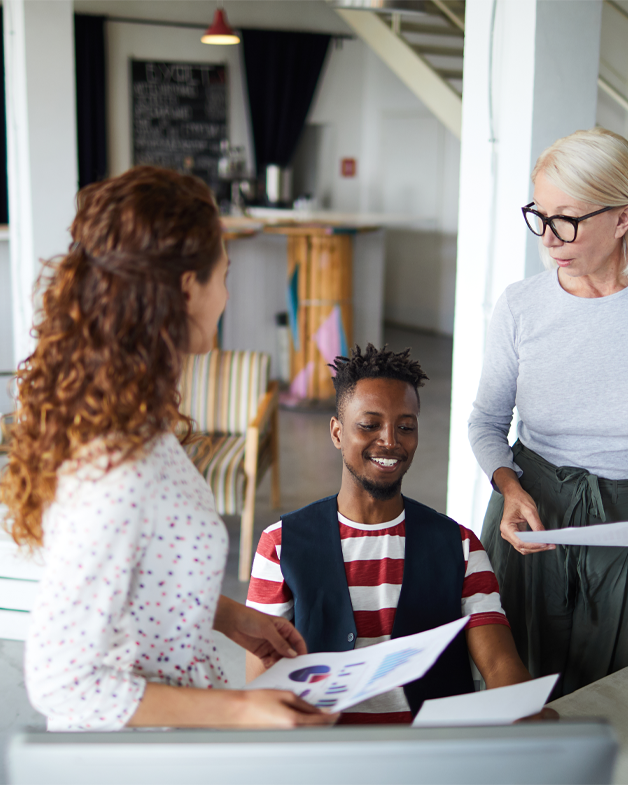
(431, 590)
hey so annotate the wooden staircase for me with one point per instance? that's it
(422, 41)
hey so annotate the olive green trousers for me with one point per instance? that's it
(568, 607)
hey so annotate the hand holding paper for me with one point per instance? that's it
(500, 706)
(339, 680)
(615, 534)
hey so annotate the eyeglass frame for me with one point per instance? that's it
(548, 221)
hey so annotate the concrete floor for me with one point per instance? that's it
(310, 469)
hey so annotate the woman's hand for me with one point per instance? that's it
(279, 709)
(187, 707)
(267, 637)
(519, 510)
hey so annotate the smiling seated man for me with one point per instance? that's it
(370, 564)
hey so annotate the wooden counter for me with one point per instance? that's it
(235, 227)
(322, 254)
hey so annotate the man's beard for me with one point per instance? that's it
(379, 491)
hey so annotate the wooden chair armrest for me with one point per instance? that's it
(268, 403)
(6, 424)
(266, 408)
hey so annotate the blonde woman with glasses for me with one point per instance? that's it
(557, 349)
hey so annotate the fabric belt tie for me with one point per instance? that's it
(586, 500)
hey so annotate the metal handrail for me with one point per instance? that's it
(608, 88)
(617, 8)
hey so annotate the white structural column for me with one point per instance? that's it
(530, 77)
(41, 144)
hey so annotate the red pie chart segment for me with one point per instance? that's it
(311, 674)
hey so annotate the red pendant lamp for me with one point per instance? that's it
(219, 32)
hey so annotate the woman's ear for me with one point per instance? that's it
(188, 279)
(622, 223)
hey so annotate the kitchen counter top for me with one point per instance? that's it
(259, 217)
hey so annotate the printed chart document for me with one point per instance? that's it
(339, 680)
(598, 534)
(500, 706)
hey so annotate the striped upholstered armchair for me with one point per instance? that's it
(232, 402)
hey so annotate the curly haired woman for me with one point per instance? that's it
(121, 634)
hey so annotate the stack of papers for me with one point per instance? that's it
(599, 534)
(500, 706)
(338, 680)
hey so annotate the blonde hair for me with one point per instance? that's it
(591, 166)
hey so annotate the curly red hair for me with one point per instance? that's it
(111, 332)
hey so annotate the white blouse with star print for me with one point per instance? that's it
(134, 563)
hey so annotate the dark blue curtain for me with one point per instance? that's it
(89, 45)
(282, 71)
(4, 194)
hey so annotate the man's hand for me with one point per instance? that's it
(269, 638)
(545, 714)
(519, 510)
(493, 650)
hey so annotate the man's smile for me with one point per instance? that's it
(386, 463)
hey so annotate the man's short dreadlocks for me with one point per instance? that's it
(373, 364)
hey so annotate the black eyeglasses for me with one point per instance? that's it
(564, 226)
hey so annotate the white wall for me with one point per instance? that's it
(41, 145)
(6, 325)
(407, 163)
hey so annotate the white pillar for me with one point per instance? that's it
(530, 77)
(41, 144)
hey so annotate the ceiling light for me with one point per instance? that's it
(220, 32)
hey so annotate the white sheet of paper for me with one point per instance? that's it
(339, 680)
(599, 534)
(500, 706)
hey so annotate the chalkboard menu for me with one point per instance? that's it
(180, 116)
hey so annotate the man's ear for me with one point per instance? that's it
(188, 279)
(335, 428)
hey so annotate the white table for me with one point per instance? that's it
(607, 699)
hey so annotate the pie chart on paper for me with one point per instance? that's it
(311, 674)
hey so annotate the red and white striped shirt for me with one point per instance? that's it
(374, 556)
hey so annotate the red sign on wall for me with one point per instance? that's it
(348, 167)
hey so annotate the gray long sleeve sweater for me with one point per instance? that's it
(563, 362)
